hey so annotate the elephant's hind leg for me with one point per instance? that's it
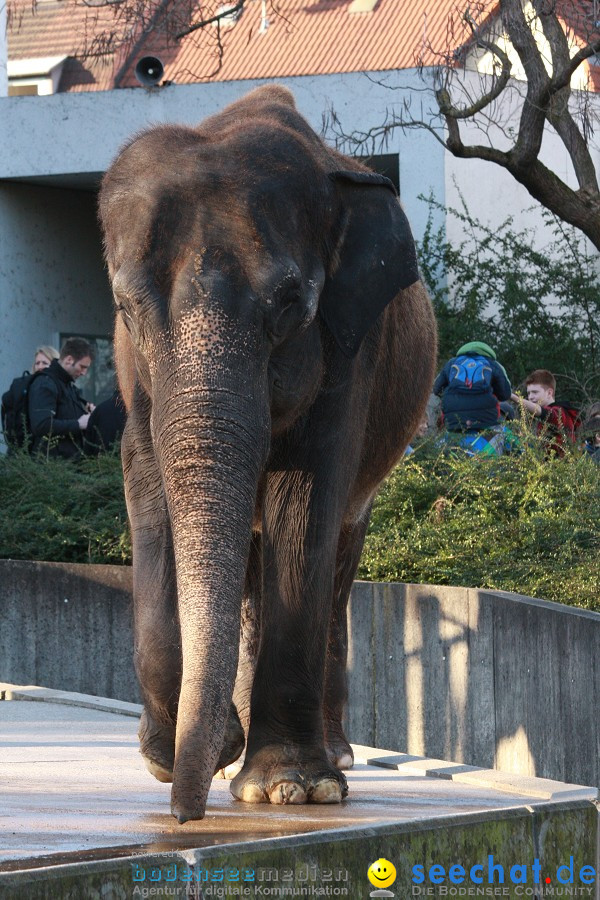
(350, 547)
(249, 642)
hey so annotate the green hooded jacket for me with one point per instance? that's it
(479, 347)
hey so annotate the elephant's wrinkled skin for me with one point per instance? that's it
(254, 443)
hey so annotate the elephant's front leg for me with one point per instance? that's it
(286, 759)
(157, 647)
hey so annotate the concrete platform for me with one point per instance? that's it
(81, 817)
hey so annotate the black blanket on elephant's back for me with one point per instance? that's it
(390, 265)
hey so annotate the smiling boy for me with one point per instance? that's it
(556, 422)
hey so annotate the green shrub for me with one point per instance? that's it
(63, 511)
(520, 523)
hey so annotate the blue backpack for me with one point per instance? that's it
(470, 373)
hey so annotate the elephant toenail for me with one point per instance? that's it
(249, 792)
(287, 792)
(328, 791)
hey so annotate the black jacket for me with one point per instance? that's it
(106, 425)
(55, 405)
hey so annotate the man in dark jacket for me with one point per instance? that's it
(56, 408)
(471, 386)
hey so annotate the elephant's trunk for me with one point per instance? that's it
(212, 445)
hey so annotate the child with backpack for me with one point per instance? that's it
(472, 384)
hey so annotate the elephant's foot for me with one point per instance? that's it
(339, 752)
(277, 774)
(157, 745)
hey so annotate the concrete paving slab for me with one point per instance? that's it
(542, 788)
(78, 803)
(68, 698)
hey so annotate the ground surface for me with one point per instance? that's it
(74, 787)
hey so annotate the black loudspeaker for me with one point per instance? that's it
(149, 71)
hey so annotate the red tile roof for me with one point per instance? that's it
(311, 37)
(302, 37)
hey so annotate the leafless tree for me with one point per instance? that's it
(474, 114)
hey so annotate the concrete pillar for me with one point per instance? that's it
(3, 51)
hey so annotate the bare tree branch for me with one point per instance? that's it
(498, 84)
(217, 17)
(561, 79)
(543, 100)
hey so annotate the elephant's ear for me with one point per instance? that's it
(377, 258)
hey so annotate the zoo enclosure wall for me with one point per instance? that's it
(482, 677)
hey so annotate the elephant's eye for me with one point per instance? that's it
(288, 295)
(122, 303)
(291, 295)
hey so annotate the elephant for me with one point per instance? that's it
(275, 349)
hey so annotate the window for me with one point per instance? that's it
(34, 76)
(387, 164)
(18, 90)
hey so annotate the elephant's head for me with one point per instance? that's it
(229, 246)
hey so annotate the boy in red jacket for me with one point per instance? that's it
(556, 422)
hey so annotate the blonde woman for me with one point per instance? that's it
(43, 356)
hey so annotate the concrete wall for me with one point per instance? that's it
(481, 677)
(52, 276)
(79, 134)
(67, 626)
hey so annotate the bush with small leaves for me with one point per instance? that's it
(524, 523)
(62, 511)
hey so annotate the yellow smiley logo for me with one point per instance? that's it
(381, 873)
